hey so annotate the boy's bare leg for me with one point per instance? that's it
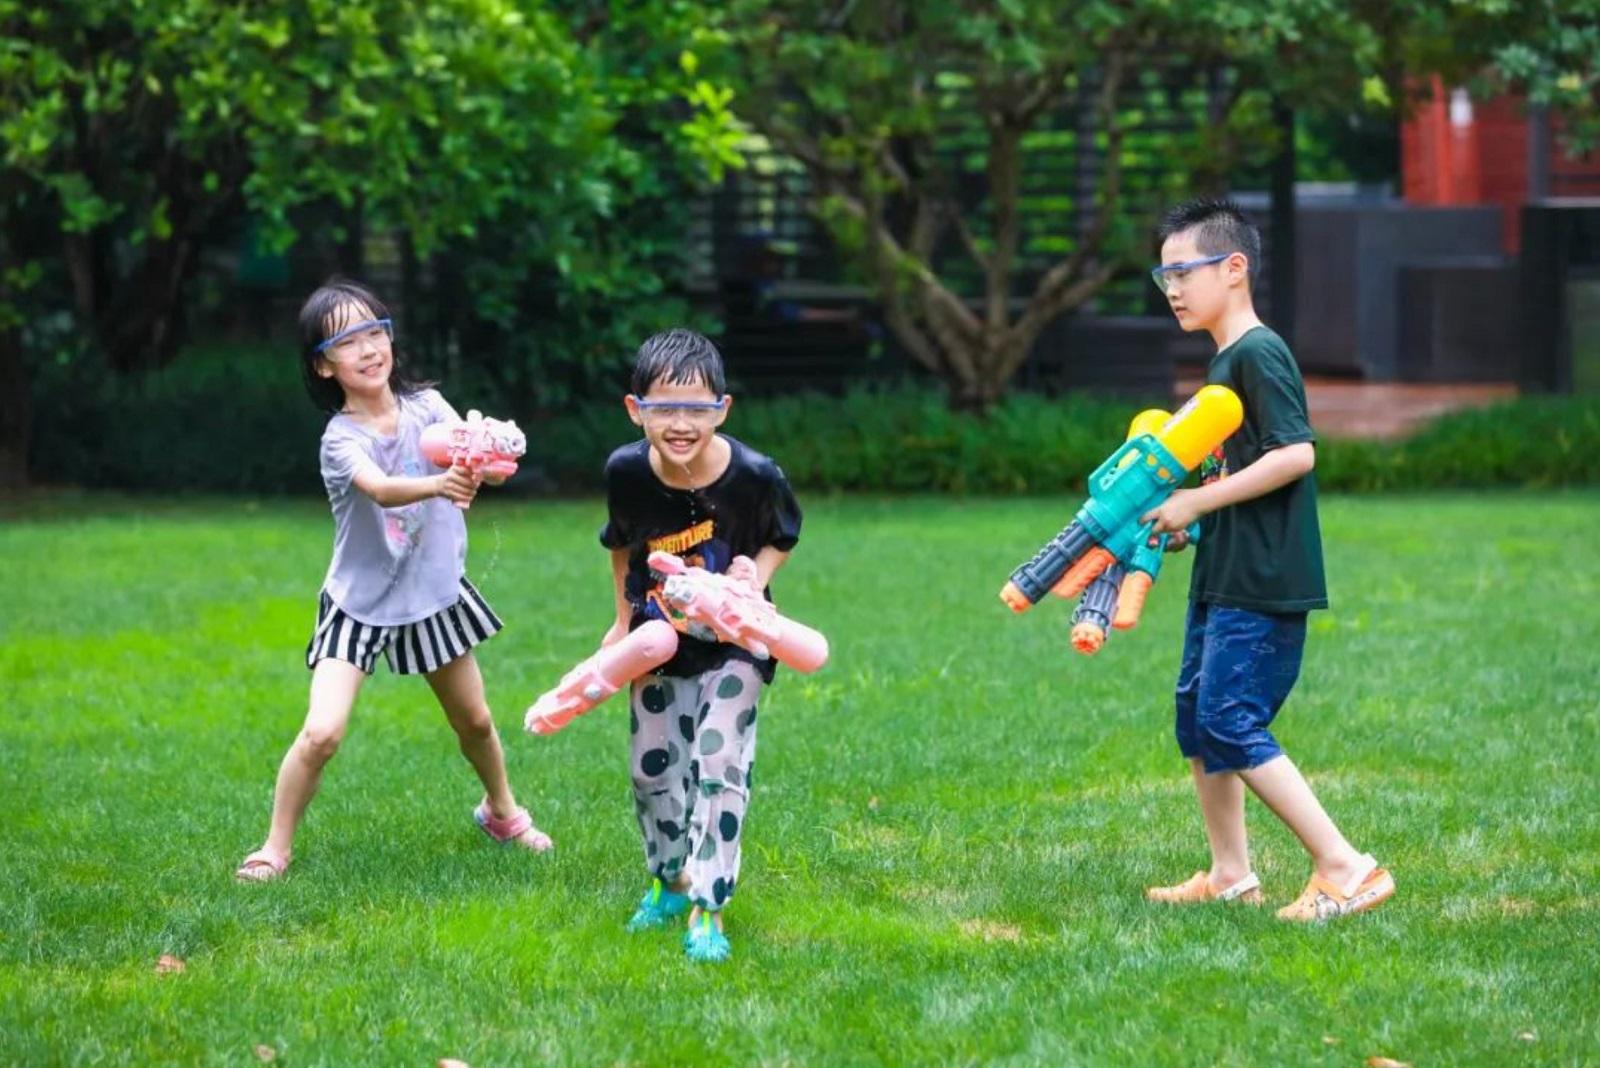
(334, 685)
(1222, 804)
(1285, 791)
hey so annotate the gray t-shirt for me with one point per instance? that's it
(390, 565)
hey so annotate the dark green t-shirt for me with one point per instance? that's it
(1263, 554)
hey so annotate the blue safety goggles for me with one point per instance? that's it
(694, 411)
(1179, 272)
(386, 325)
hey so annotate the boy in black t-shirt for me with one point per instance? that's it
(1257, 572)
(719, 504)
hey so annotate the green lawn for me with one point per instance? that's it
(950, 833)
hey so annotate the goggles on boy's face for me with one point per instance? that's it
(701, 413)
(348, 340)
(1178, 273)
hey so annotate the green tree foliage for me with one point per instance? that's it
(500, 132)
(1550, 52)
(580, 266)
(866, 96)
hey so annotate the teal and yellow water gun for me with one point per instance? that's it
(1116, 596)
(1106, 553)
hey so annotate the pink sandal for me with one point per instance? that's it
(261, 867)
(514, 828)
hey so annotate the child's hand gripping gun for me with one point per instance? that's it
(1136, 478)
(718, 607)
(1116, 596)
(648, 646)
(729, 608)
(482, 446)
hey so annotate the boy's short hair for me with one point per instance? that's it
(1219, 226)
(679, 357)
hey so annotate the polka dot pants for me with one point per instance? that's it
(694, 743)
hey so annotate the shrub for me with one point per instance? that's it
(237, 420)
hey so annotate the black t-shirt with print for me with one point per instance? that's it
(1263, 554)
(748, 508)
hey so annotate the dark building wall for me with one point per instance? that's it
(1348, 264)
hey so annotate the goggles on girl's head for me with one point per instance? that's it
(386, 325)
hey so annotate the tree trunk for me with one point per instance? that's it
(1280, 228)
(352, 250)
(141, 326)
(975, 398)
(16, 414)
(994, 371)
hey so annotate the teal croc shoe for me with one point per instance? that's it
(704, 943)
(657, 907)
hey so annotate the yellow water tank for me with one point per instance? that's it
(1205, 422)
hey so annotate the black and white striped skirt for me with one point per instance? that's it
(410, 648)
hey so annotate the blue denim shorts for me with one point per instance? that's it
(1238, 668)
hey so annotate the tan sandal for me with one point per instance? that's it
(261, 866)
(1197, 890)
(1321, 900)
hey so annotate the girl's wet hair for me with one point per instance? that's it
(678, 357)
(323, 315)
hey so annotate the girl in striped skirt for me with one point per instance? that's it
(396, 585)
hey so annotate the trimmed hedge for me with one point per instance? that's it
(219, 420)
(908, 441)
(227, 420)
(1530, 442)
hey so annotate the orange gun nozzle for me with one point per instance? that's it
(1084, 571)
(1015, 599)
(1088, 638)
(1130, 599)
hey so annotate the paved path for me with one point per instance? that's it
(1344, 409)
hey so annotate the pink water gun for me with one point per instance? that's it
(646, 647)
(482, 446)
(729, 608)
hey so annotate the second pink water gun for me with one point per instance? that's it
(482, 446)
(734, 611)
(643, 649)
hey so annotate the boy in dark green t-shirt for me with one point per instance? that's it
(1257, 572)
